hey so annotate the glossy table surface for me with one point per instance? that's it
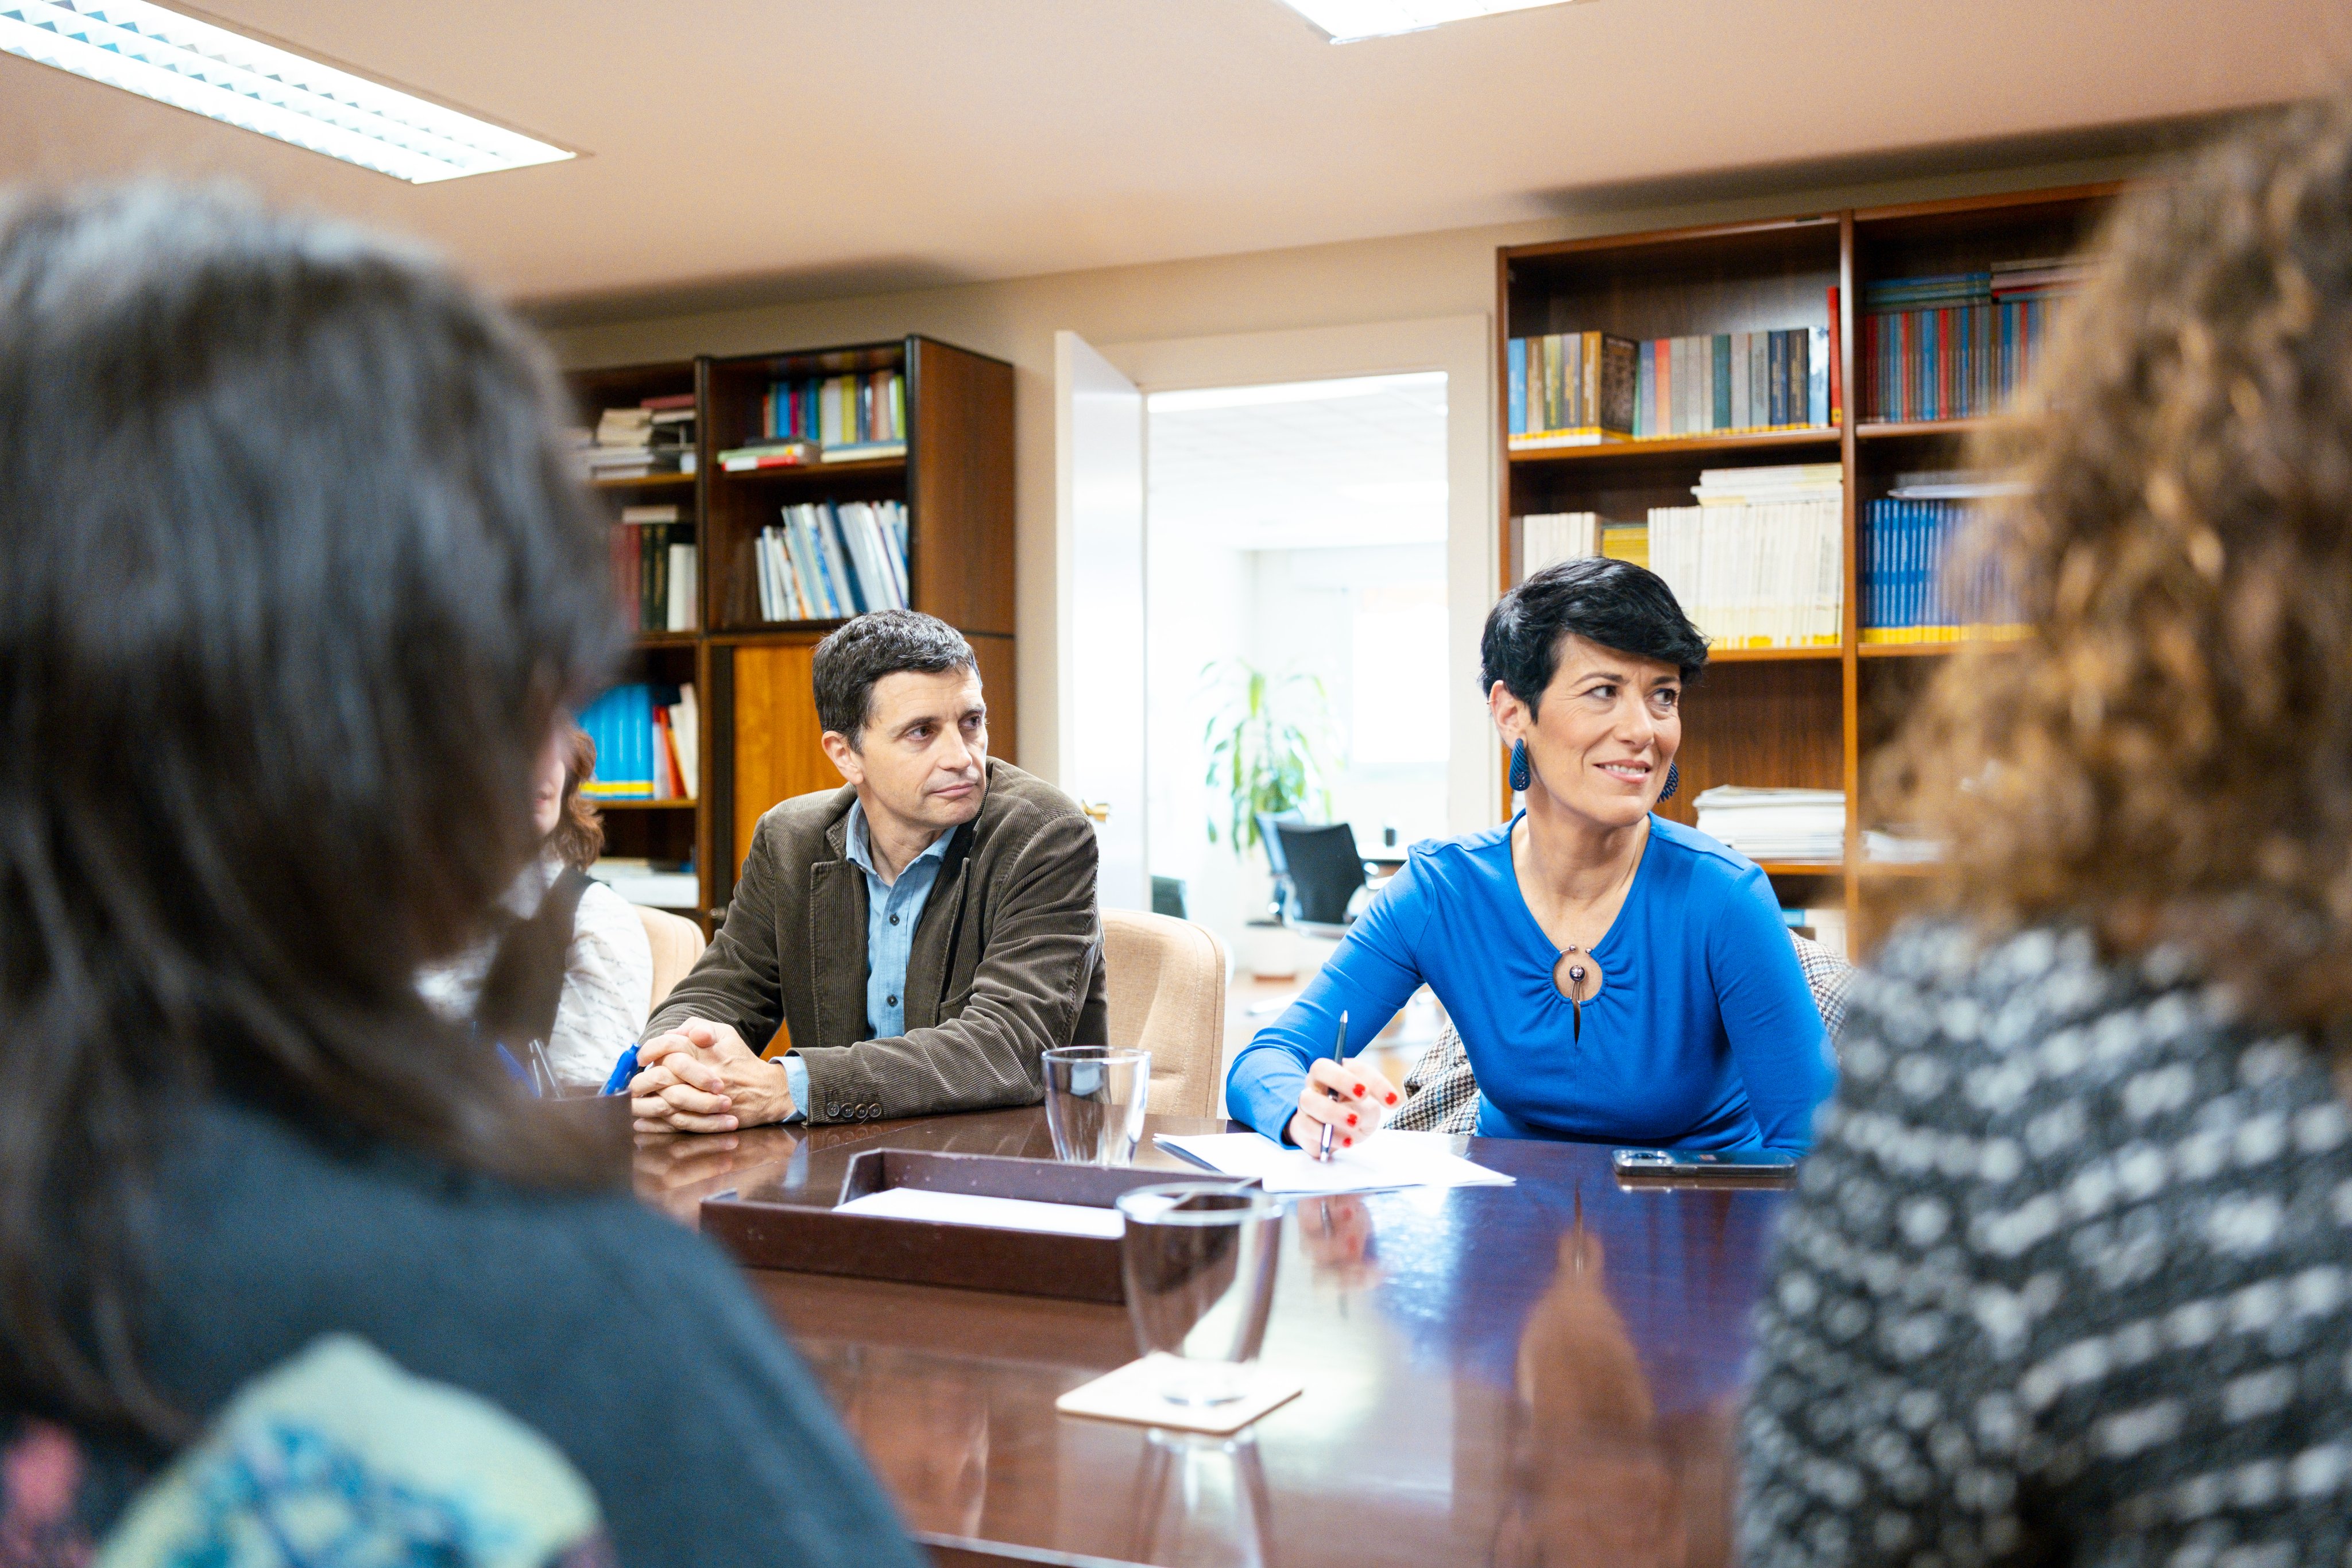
(1542, 1373)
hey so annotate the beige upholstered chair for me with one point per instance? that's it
(676, 941)
(1167, 983)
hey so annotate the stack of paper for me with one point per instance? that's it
(1376, 1164)
(1775, 825)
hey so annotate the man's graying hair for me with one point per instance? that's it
(884, 642)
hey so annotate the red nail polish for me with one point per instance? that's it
(1360, 1091)
(1350, 1142)
(1391, 1096)
(1351, 1121)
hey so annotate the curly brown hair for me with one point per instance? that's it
(2165, 759)
(579, 835)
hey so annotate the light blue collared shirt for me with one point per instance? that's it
(892, 909)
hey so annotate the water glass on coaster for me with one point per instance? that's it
(1094, 1101)
(1199, 1265)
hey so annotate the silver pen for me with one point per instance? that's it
(1339, 1053)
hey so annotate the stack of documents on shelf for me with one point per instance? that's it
(1383, 1161)
(1775, 825)
(1895, 846)
(655, 885)
(1953, 484)
(1758, 562)
(633, 443)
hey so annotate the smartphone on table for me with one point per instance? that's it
(1725, 1168)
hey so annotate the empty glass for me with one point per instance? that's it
(1095, 1099)
(1198, 1264)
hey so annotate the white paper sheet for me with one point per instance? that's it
(1384, 1160)
(971, 1208)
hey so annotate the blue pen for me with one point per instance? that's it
(1339, 1053)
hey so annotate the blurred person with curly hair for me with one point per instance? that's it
(2066, 1277)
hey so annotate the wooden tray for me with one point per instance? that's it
(811, 1240)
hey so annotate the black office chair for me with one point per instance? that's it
(1324, 870)
(1279, 908)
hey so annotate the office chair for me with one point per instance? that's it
(1279, 908)
(1167, 995)
(1324, 870)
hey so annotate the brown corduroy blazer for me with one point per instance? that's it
(1007, 956)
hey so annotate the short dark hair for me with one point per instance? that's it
(294, 580)
(1611, 602)
(880, 642)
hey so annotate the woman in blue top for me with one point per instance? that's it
(1616, 977)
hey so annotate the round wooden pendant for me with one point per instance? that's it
(1577, 977)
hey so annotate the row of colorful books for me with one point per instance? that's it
(1581, 389)
(1916, 588)
(827, 561)
(836, 410)
(1960, 345)
(656, 436)
(1546, 539)
(654, 573)
(646, 740)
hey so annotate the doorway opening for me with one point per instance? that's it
(1296, 533)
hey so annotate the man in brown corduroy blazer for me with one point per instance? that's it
(923, 931)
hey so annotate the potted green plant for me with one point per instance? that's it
(1269, 746)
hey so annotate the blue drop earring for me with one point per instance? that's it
(1673, 782)
(1520, 776)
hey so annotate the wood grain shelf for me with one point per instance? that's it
(1622, 451)
(1768, 655)
(862, 468)
(643, 482)
(667, 639)
(776, 631)
(649, 805)
(1893, 429)
(1784, 717)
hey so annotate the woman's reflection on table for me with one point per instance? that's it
(1594, 1474)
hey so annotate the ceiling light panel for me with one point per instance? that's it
(240, 81)
(1351, 21)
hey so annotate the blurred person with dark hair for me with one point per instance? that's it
(1616, 977)
(2066, 1277)
(570, 970)
(921, 935)
(295, 586)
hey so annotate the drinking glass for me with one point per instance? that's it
(1198, 1264)
(1095, 1098)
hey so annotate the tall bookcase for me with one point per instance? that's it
(759, 742)
(1789, 717)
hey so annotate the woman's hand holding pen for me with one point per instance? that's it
(1347, 1096)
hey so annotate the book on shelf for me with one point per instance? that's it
(754, 455)
(653, 569)
(1775, 825)
(1758, 562)
(1912, 588)
(827, 561)
(1899, 846)
(1546, 539)
(654, 883)
(646, 737)
(1958, 345)
(836, 410)
(656, 436)
(1580, 389)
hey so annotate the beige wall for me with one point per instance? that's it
(1405, 278)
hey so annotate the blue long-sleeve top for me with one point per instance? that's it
(1704, 1035)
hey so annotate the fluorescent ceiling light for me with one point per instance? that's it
(240, 81)
(1351, 21)
(1291, 392)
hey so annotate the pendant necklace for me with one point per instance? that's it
(1576, 972)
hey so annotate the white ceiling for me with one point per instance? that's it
(1318, 465)
(812, 148)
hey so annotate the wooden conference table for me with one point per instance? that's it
(1544, 1373)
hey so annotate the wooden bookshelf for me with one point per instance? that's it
(759, 742)
(1789, 717)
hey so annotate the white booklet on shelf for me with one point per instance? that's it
(1378, 1163)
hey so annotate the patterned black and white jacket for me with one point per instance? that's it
(2065, 1280)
